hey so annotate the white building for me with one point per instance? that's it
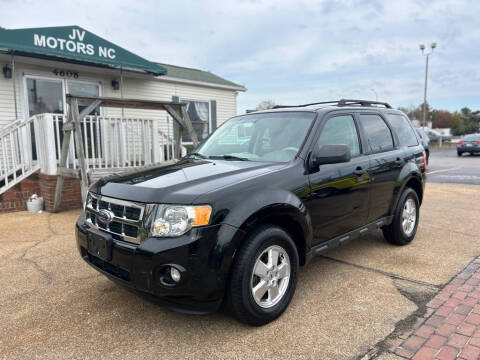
(40, 66)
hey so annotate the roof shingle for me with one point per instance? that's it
(191, 74)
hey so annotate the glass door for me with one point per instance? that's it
(43, 96)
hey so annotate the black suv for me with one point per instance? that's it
(261, 196)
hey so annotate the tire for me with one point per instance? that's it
(243, 280)
(396, 233)
(459, 153)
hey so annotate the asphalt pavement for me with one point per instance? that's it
(445, 166)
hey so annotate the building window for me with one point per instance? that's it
(44, 96)
(199, 113)
(84, 89)
(47, 96)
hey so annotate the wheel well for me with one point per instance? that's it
(416, 185)
(285, 222)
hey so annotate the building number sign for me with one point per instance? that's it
(65, 73)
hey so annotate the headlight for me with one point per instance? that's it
(176, 220)
(88, 201)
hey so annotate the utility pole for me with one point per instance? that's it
(427, 55)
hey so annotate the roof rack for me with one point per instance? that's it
(341, 102)
(303, 105)
(345, 102)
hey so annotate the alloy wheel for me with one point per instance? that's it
(270, 276)
(409, 216)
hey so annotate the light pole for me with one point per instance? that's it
(422, 48)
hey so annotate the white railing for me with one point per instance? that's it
(108, 143)
(113, 142)
(18, 145)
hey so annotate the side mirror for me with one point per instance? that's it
(329, 154)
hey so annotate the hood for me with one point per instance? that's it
(182, 182)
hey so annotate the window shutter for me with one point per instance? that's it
(213, 116)
(175, 99)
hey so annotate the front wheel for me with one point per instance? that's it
(264, 276)
(404, 225)
(459, 153)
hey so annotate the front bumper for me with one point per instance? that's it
(138, 267)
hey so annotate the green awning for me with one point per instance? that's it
(73, 43)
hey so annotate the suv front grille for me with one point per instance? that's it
(126, 221)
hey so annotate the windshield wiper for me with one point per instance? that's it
(228, 157)
(201, 156)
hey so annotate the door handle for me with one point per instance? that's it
(359, 171)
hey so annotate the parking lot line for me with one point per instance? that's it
(442, 170)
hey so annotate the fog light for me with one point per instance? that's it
(175, 274)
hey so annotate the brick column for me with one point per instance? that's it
(71, 194)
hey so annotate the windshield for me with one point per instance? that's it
(273, 137)
(471, 137)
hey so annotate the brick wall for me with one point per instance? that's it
(15, 199)
(71, 194)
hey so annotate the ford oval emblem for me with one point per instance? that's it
(105, 216)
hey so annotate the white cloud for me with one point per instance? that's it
(291, 51)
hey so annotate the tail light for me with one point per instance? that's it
(424, 156)
(478, 142)
(460, 143)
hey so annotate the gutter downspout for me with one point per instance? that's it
(123, 149)
(121, 90)
(14, 87)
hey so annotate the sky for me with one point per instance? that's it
(292, 52)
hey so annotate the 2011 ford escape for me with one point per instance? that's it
(260, 197)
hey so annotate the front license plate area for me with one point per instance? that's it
(99, 244)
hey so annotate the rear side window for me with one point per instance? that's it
(403, 129)
(378, 134)
(340, 130)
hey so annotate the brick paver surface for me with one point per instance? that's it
(451, 327)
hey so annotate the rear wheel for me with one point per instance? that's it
(264, 276)
(404, 225)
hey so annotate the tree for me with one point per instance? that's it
(265, 105)
(442, 119)
(465, 122)
(415, 112)
(458, 124)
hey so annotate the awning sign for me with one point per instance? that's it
(74, 43)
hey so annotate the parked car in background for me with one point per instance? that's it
(469, 144)
(425, 140)
(235, 219)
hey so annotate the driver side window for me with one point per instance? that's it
(340, 130)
